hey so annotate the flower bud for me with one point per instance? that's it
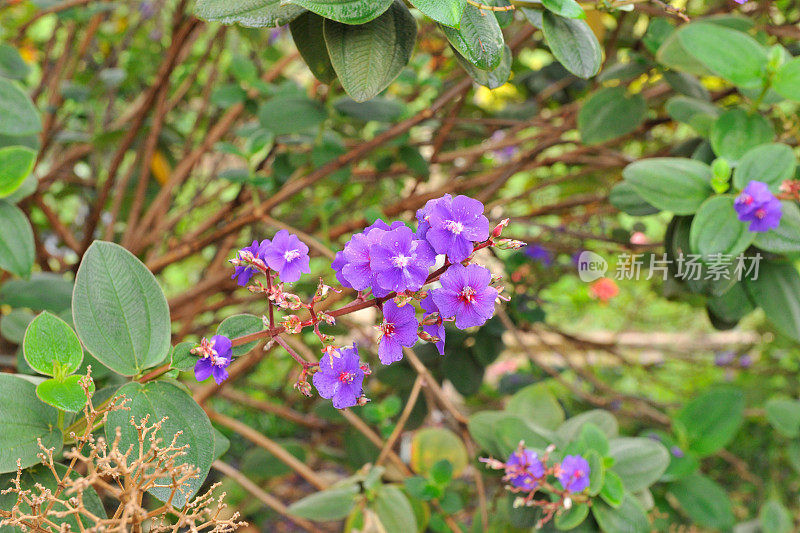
(499, 228)
(402, 299)
(365, 369)
(325, 317)
(510, 244)
(432, 319)
(362, 401)
(292, 324)
(568, 503)
(303, 386)
(427, 337)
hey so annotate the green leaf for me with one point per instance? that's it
(572, 517)
(775, 517)
(368, 57)
(51, 347)
(597, 472)
(66, 394)
(442, 472)
(603, 420)
(711, 421)
(160, 399)
(783, 239)
(777, 292)
(16, 163)
(535, 403)
(625, 198)
(238, 325)
(25, 419)
(394, 510)
(628, 517)
(251, 13)
(286, 114)
(699, 114)
(704, 501)
(573, 44)
(730, 54)
(672, 184)
(565, 8)
(120, 313)
(769, 163)
(308, 36)
(43, 291)
(17, 114)
(40, 476)
(429, 446)
(17, 251)
(479, 38)
(717, 230)
(594, 439)
(488, 78)
(481, 426)
(735, 132)
(221, 444)
(638, 461)
(730, 306)
(784, 415)
(610, 113)
(687, 84)
(14, 324)
(379, 109)
(447, 12)
(787, 80)
(346, 11)
(326, 505)
(181, 358)
(12, 65)
(512, 430)
(613, 491)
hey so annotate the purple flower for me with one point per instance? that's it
(243, 273)
(400, 262)
(676, 452)
(524, 469)
(338, 264)
(422, 215)
(465, 294)
(275, 34)
(437, 330)
(215, 357)
(455, 225)
(340, 378)
(574, 473)
(503, 154)
(355, 265)
(758, 206)
(724, 358)
(539, 253)
(398, 329)
(745, 361)
(287, 256)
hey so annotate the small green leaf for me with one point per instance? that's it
(736, 132)
(535, 403)
(394, 510)
(787, 81)
(769, 163)
(565, 8)
(307, 33)
(610, 113)
(711, 421)
(17, 114)
(479, 38)
(66, 395)
(603, 420)
(594, 439)
(706, 503)
(777, 292)
(14, 324)
(326, 505)
(442, 472)
(51, 347)
(430, 446)
(775, 517)
(629, 516)
(16, 163)
(12, 65)
(624, 197)
(25, 420)
(573, 44)
(160, 399)
(716, 230)
(17, 251)
(672, 184)
(181, 357)
(43, 291)
(251, 13)
(237, 326)
(368, 57)
(638, 461)
(613, 490)
(352, 12)
(120, 313)
(784, 415)
(572, 517)
(447, 12)
(597, 472)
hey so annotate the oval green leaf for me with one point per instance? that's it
(628, 517)
(308, 36)
(638, 461)
(610, 113)
(17, 114)
(716, 230)
(66, 395)
(345, 11)
(710, 421)
(777, 292)
(238, 325)
(706, 503)
(326, 505)
(736, 132)
(17, 251)
(769, 163)
(51, 347)
(787, 81)
(573, 44)
(16, 163)
(447, 12)
(250, 13)
(479, 38)
(672, 184)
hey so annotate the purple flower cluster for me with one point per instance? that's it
(215, 357)
(340, 377)
(452, 225)
(757, 205)
(285, 254)
(524, 469)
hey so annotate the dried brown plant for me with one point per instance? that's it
(122, 476)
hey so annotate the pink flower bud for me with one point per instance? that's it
(362, 401)
(509, 244)
(499, 228)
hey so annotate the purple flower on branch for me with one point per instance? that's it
(437, 329)
(455, 225)
(574, 473)
(757, 205)
(243, 273)
(422, 215)
(340, 378)
(215, 357)
(288, 256)
(465, 294)
(400, 262)
(399, 328)
(524, 469)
